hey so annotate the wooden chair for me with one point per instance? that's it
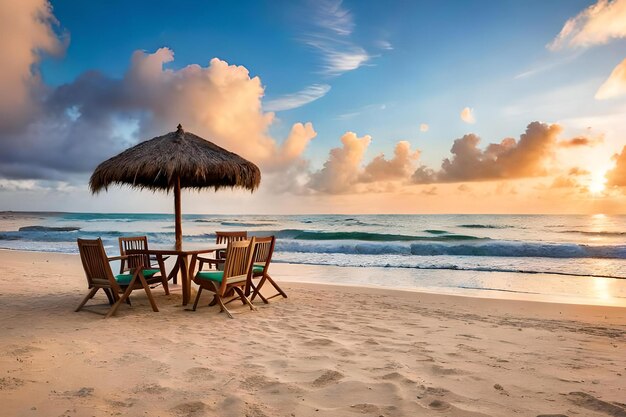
(141, 243)
(261, 258)
(222, 238)
(100, 276)
(232, 280)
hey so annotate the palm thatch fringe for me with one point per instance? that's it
(157, 163)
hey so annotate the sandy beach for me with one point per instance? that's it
(324, 351)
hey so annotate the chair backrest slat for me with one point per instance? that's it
(134, 243)
(238, 258)
(227, 237)
(96, 264)
(263, 251)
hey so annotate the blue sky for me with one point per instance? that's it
(445, 56)
(380, 69)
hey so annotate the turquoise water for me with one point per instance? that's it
(552, 255)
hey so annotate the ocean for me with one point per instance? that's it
(561, 246)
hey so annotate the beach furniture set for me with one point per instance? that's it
(238, 270)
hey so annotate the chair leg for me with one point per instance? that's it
(222, 306)
(88, 297)
(280, 291)
(148, 292)
(244, 298)
(109, 294)
(195, 304)
(165, 286)
(121, 299)
(256, 290)
(163, 275)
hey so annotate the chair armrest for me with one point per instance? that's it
(117, 258)
(210, 260)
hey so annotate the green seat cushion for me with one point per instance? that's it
(257, 269)
(211, 275)
(124, 279)
(218, 276)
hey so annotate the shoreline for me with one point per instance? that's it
(346, 276)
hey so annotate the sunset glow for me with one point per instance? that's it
(598, 182)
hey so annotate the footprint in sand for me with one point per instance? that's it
(584, 400)
(200, 374)
(436, 391)
(7, 383)
(255, 382)
(345, 352)
(396, 376)
(366, 408)
(440, 370)
(189, 409)
(319, 342)
(122, 404)
(327, 378)
(79, 393)
(439, 405)
(150, 389)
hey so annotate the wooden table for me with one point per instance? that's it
(184, 264)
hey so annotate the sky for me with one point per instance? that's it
(346, 106)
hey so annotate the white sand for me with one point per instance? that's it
(324, 351)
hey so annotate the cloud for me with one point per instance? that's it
(343, 167)
(616, 177)
(299, 99)
(344, 170)
(576, 171)
(564, 182)
(505, 160)
(431, 191)
(467, 115)
(330, 15)
(596, 25)
(399, 167)
(580, 141)
(94, 117)
(424, 127)
(615, 85)
(383, 44)
(339, 57)
(26, 35)
(331, 37)
(295, 144)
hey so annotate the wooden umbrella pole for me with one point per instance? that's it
(178, 215)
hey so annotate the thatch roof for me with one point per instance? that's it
(156, 163)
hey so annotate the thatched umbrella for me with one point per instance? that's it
(173, 161)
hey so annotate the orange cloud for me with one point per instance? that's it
(580, 141)
(595, 25)
(615, 85)
(220, 102)
(343, 167)
(507, 159)
(79, 123)
(564, 182)
(578, 171)
(26, 33)
(617, 176)
(399, 167)
(467, 115)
